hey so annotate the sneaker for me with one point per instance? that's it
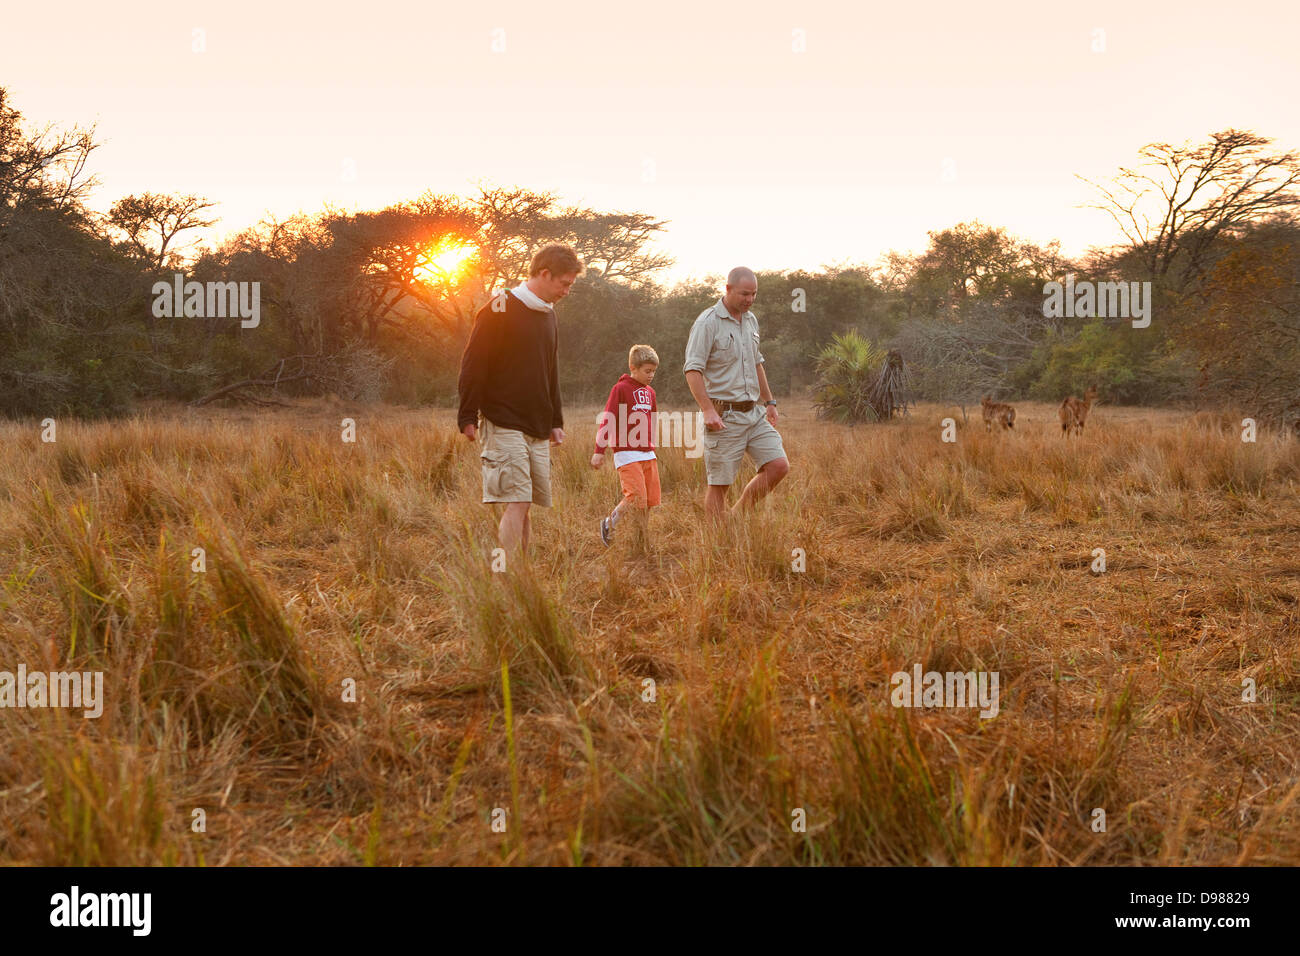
(606, 532)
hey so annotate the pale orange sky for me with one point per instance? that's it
(700, 113)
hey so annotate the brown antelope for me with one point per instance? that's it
(999, 412)
(1074, 412)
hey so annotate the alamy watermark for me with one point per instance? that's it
(946, 689)
(83, 689)
(1098, 300)
(634, 427)
(208, 300)
(75, 908)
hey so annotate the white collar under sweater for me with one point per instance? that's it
(530, 298)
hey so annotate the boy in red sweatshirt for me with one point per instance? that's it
(627, 425)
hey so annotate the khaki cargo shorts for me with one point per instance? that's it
(746, 432)
(516, 467)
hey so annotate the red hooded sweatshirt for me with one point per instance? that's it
(627, 424)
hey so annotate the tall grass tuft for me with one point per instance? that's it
(95, 597)
(719, 787)
(274, 683)
(890, 805)
(510, 615)
(103, 806)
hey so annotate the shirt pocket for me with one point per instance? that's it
(723, 343)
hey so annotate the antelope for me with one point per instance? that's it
(1074, 412)
(999, 412)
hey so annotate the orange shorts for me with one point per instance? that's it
(640, 483)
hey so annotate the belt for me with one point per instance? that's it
(731, 406)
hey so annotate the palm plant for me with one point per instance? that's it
(846, 370)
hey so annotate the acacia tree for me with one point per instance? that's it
(612, 246)
(513, 223)
(153, 220)
(62, 290)
(1181, 200)
(42, 169)
(388, 253)
(967, 262)
(383, 256)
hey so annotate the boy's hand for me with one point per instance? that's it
(598, 459)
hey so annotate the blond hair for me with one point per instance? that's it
(640, 355)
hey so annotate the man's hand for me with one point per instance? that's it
(557, 436)
(712, 420)
(470, 431)
(597, 459)
(771, 415)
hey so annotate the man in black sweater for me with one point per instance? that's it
(509, 373)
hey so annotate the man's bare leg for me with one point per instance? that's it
(715, 501)
(513, 530)
(767, 478)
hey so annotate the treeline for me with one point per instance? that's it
(377, 305)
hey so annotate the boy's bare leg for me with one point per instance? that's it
(767, 478)
(618, 511)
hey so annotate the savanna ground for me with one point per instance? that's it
(328, 561)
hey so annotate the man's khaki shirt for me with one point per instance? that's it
(726, 352)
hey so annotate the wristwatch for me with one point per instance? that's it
(769, 403)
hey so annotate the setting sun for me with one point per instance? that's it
(445, 260)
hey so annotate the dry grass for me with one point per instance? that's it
(529, 690)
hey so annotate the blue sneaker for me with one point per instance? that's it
(606, 532)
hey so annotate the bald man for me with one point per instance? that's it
(724, 370)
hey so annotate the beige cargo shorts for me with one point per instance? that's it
(746, 432)
(516, 466)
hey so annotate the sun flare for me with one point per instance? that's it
(445, 260)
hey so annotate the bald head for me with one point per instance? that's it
(742, 286)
